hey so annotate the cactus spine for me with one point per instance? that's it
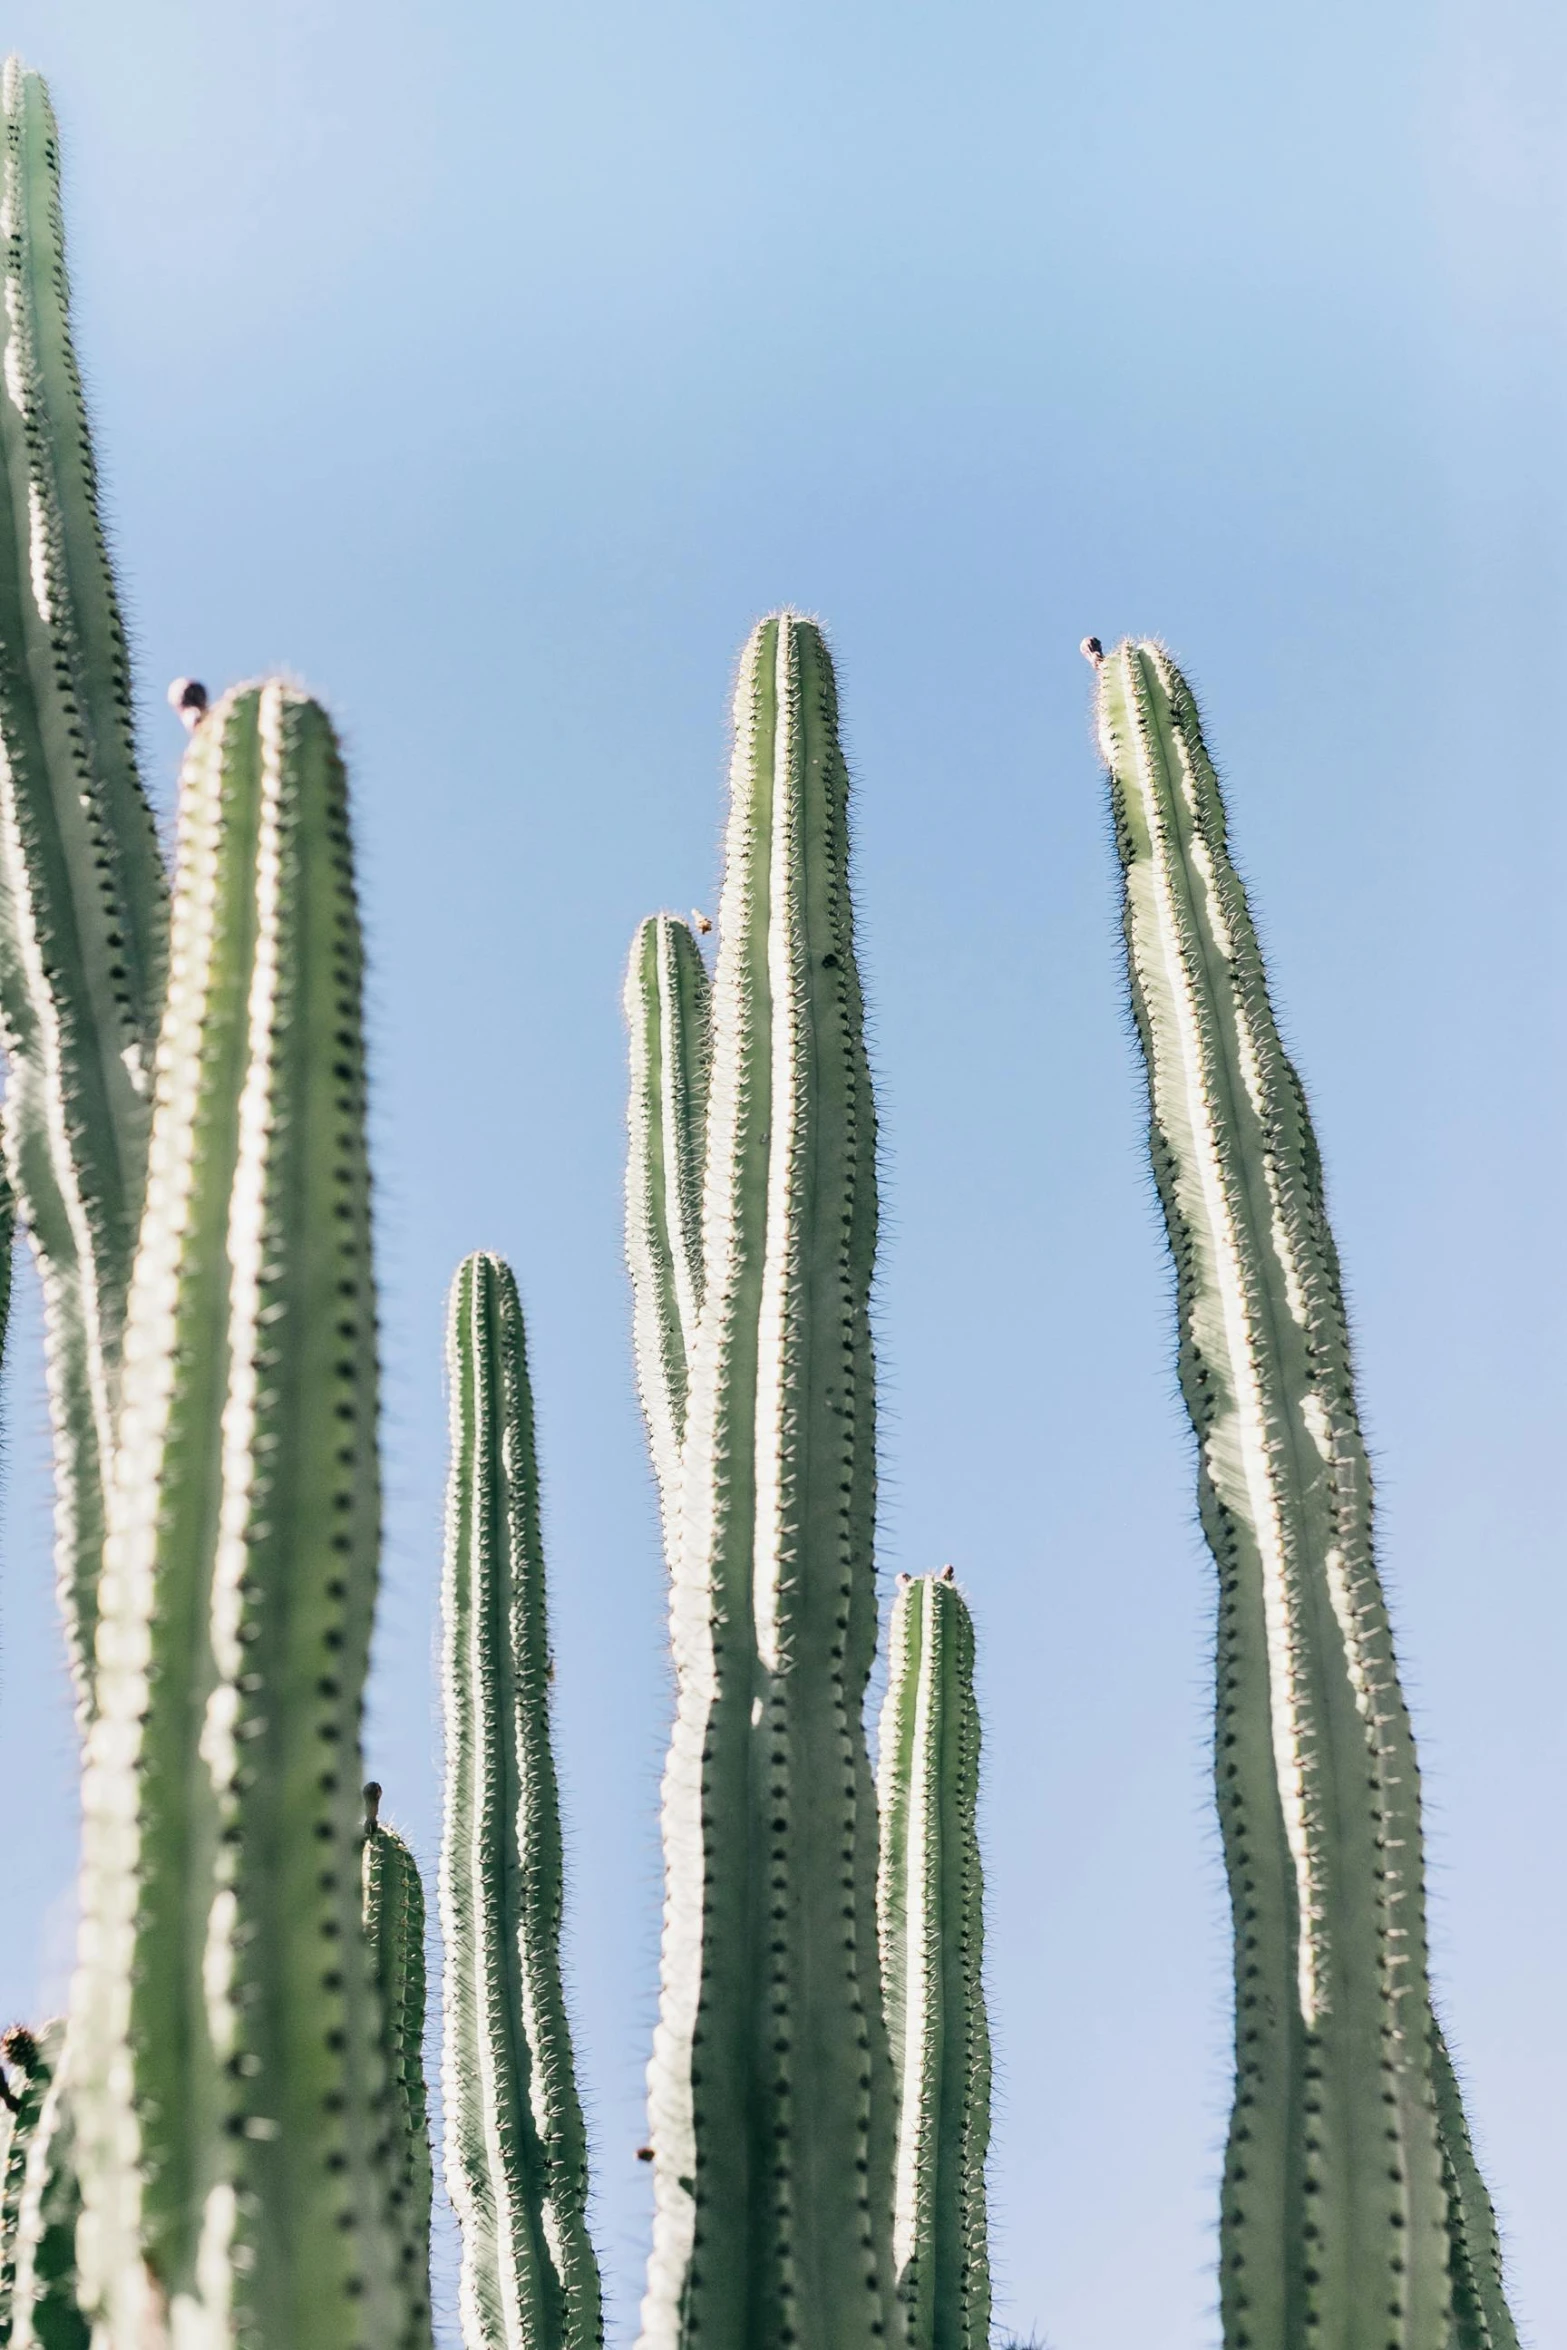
(233, 2108)
(1335, 2212)
(932, 1952)
(83, 898)
(40, 2203)
(516, 2148)
(394, 1928)
(668, 1003)
(770, 2092)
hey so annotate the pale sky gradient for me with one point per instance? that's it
(493, 367)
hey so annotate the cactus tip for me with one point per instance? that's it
(188, 697)
(1092, 650)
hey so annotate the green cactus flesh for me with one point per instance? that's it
(83, 898)
(40, 2203)
(394, 1928)
(932, 1950)
(233, 2110)
(669, 1015)
(770, 2090)
(516, 2148)
(1334, 2216)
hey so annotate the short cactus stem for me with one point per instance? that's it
(770, 2092)
(83, 896)
(516, 2147)
(394, 1929)
(932, 1957)
(1335, 2210)
(669, 1017)
(225, 2043)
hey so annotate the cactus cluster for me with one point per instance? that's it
(225, 2145)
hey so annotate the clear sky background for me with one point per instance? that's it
(492, 368)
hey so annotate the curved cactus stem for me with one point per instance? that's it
(394, 1928)
(669, 1016)
(1334, 2221)
(770, 2092)
(516, 2148)
(40, 2202)
(932, 1953)
(83, 896)
(1481, 2317)
(232, 2098)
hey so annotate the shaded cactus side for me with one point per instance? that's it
(40, 2199)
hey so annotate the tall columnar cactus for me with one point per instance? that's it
(83, 898)
(932, 1955)
(1335, 2208)
(40, 2200)
(669, 1016)
(394, 1928)
(235, 2121)
(770, 2091)
(516, 2148)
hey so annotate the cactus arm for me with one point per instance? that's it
(394, 1928)
(1481, 2317)
(236, 2160)
(769, 2089)
(516, 2147)
(668, 1015)
(932, 1949)
(1334, 2220)
(83, 897)
(38, 2303)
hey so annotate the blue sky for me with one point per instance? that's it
(492, 369)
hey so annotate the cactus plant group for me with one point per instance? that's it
(226, 2142)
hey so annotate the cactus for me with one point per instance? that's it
(394, 1928)
(770, 2087)
(232, 2103)
(40, 2202)
(1481, 2317)
(1336, 2208)
(83, 898)
(516, 2148)
(669, 1018)
(932, 1950)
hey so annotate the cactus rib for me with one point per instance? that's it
(235, 2151)
(769, 2087)
(1334, 2222)
(83, 897)
(668, 1014)
(932, 1951)
(516, 2148)
(394, 1928)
